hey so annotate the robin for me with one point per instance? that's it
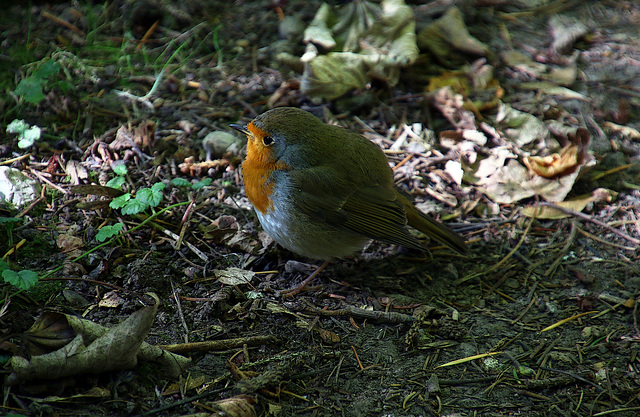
(323, 191)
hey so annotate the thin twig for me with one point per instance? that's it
(46, 181)
(572, 237)
(592, 220)
(604, 242)
(510, 254)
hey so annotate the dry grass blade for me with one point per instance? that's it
(467, 359)
(568, 319)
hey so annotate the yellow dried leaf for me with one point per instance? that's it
(554, 165)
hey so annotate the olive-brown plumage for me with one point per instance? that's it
(322, 191)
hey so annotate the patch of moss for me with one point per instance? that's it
(44, 290)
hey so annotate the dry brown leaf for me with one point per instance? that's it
(454, 169)
(49, 332)
(625, 131)
(221, 229)
(234, 276)
(144, 134)
(490, 165)
(569, 159)
(565, 31)
(519, 127)
(523, 63)
(365, 41)
(550, 89)
(451, 105)
(554, 165)
(70, 245)
(111, 300)
(504, 186)
(448, 36)
(238, 406)
(116, 349)
(578, 204)
(76, 172)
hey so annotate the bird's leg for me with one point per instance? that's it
(295, 290)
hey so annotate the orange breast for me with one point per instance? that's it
(257, 170)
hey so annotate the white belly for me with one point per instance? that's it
(309, 237)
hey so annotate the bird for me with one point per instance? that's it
(323, 191)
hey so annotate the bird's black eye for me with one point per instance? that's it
(267, 140)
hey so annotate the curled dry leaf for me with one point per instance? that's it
(49, 332)
(115, 349)
(332, 75)
(569, 159)
(625, 131)
(221, 229)
(129, 142)
(492, 164)
(363, 40)
(448, 36)
(565, 31)
(76, 172)
(225, 230)
(556, 164)
(238, 406)
(548, 177)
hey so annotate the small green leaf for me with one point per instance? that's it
(107, 232)
(150, 196)
(116, 182)
(24, 279)
(158, 187)
(65, 86)
(17, 126)
(120, 202)
(3, 265)
(144, 196)
(201, 184)
(31, 89)
(47, 69)
(28, 137)
(180, 182)
(134, 206)
(120, 169)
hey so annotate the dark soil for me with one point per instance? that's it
(372, 334)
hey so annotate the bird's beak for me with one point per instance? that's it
(240, 128)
